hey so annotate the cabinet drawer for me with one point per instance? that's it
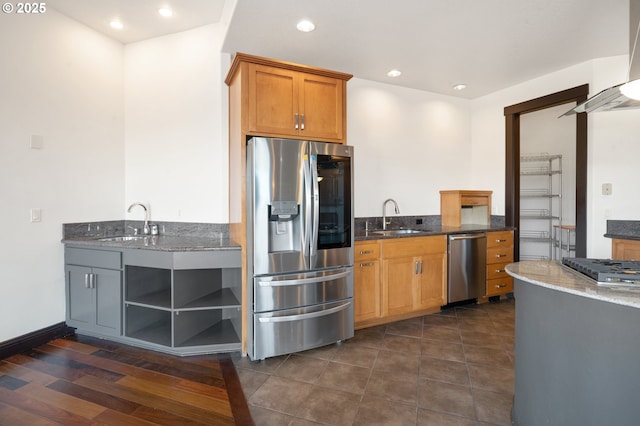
(500, 255)
(96, 258)
(499, 239)
(414, 246)
(499, 286)
(367, 251)
(471, 200)
(496, 270)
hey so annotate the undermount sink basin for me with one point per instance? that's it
(122, 238)
(390, 232)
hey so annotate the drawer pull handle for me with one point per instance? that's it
(501, 255)
(499, 270)
(366, 251)
(501, 241)
(366, 265)
(501, 285)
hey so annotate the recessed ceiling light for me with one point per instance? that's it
(394, 73)
(116, 24)
(305, 26)
(166, 12)
(459, 87)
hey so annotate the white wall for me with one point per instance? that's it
(612, 147)
(177, 127)
(409, 145)
(64, 82)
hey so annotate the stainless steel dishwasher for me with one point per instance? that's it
(467, 266)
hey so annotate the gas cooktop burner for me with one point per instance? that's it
(607, 271)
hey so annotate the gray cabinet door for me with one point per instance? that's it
(94, 307)
(108, 301)
(80, 306)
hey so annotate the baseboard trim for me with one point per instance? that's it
(34, 339)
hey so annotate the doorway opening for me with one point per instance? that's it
(513, 115)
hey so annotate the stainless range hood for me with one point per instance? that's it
(612, 98)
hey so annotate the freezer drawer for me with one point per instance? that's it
(294, 330)
(304, 289)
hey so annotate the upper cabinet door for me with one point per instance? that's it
(321, 107)
(290, 103)
(273, 100)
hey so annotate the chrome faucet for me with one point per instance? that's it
(145, 228)
(384, 214)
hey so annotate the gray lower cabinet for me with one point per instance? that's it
(179, 302)
(94, 290)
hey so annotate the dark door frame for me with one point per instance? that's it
(512, 185)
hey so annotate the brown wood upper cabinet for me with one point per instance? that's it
(464, 207)
(282, 99)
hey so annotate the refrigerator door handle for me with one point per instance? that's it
(316, 202)
(282, 283)
(306, 231)
(305, 316)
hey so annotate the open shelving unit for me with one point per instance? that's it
(186, 309)
(540, 205)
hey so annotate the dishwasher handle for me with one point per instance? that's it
(466, 236)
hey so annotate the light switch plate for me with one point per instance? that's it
(607, 189)
(36, 142)
(36, 215)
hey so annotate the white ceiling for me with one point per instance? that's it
(486, 44)
(140, 17)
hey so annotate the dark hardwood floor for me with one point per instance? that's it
(81, 380)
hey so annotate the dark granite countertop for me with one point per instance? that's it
(623, 229)
(174, 236)
(159, 242)
(362, 235)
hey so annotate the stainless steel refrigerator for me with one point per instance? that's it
(299, 245)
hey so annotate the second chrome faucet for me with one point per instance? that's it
(384, 211)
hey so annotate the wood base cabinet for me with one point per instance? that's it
(625, 249)
(367, 281)
(406, 279)
(499, 255)
(413, 274)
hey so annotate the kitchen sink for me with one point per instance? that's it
(122, 238)
(391, 232)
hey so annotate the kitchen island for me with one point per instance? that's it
(577, 345)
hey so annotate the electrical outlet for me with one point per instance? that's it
(607, 189)
(418, 221)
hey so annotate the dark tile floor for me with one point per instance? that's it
(450, 368)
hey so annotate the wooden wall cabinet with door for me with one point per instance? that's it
(286, 100)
